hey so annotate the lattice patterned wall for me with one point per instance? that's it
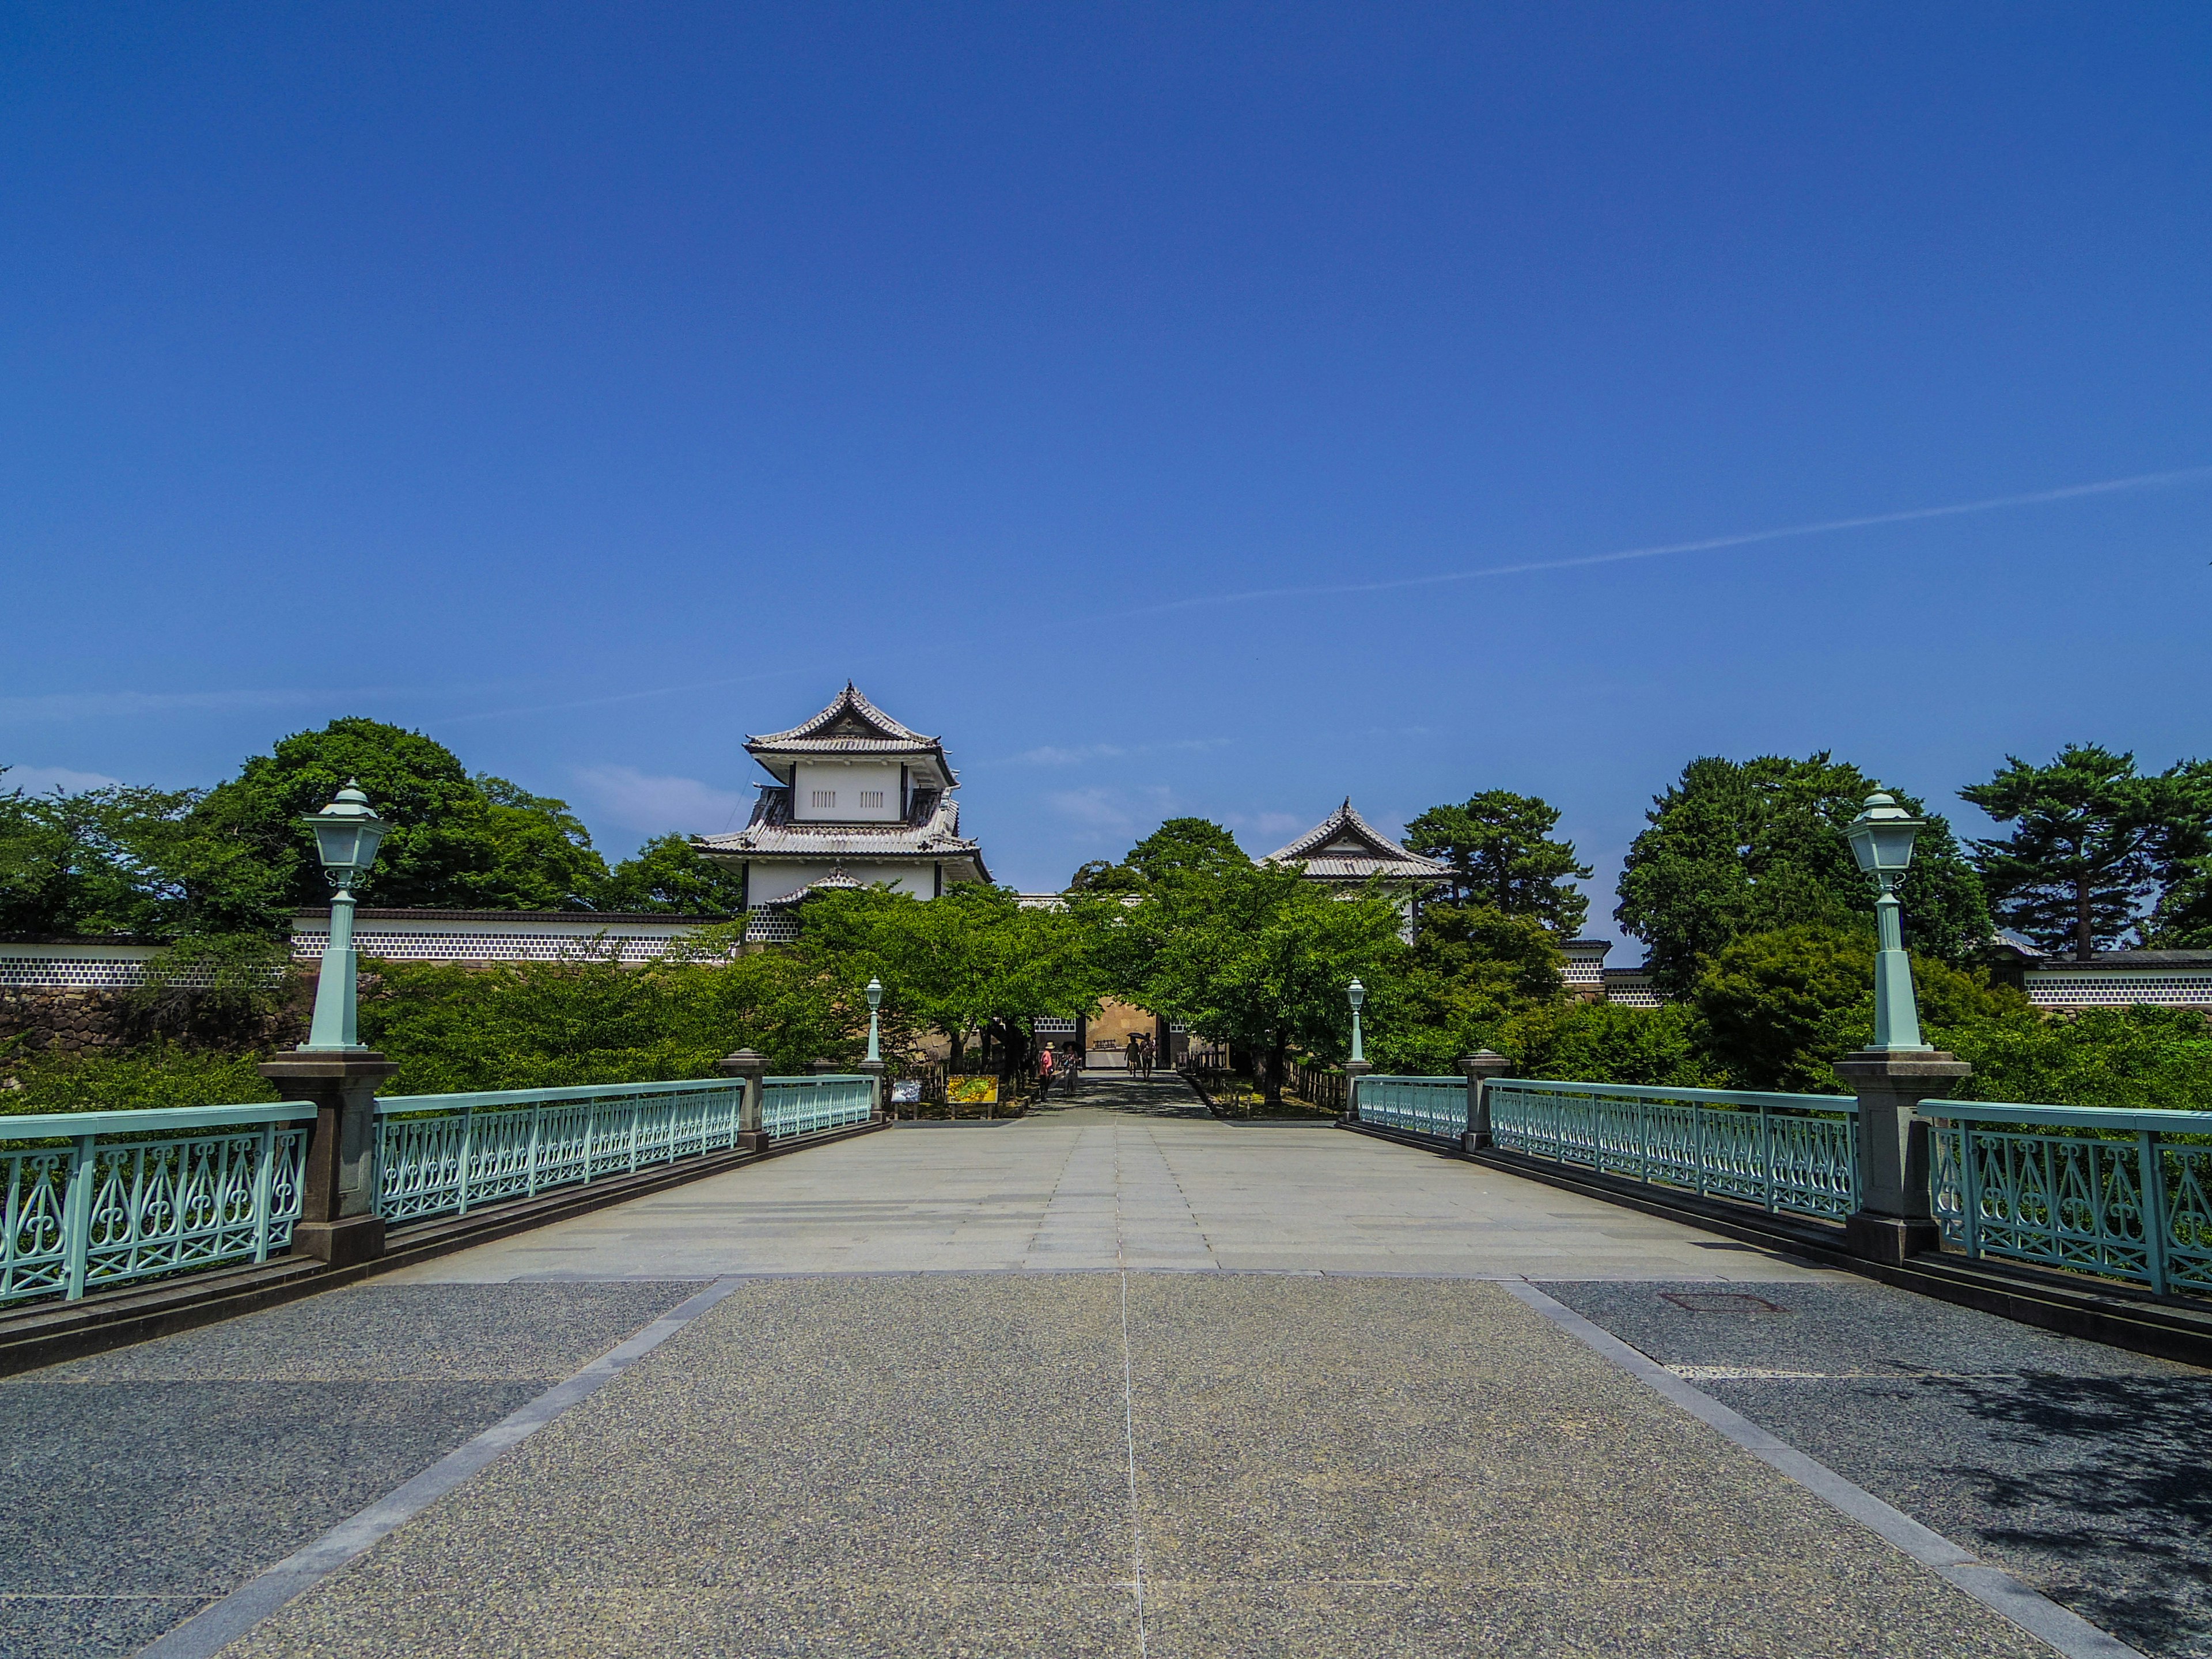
(2178, 989)
(67, 968)
(489, 943)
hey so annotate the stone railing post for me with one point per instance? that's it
(751, 1066)
(337, 1223)
(1353, 1070)
(1480, 1067)
(874, 1071)
(1896, 1216)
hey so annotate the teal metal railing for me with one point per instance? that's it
(1423, 1105)
(2125, 1195)
(450, 1154)
(94, 1200)
(1793, 1153)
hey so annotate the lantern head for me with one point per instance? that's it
(347, 834)
(1881, 836)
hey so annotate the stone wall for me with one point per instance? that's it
(70, 1021)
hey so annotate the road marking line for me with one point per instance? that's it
(215, 1627)
(1994, 1588)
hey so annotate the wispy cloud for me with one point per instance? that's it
(1083, 754)
(654, 805)
(624, 696)
(110, 705)
(45, 779)
(1704, 544)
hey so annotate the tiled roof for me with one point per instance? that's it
(1344, 846)
(931, 830)
(850, 725)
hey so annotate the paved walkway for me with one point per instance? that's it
(1105, 1381)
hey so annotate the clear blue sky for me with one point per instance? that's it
(589, 386)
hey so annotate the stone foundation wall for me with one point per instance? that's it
(61, 1022)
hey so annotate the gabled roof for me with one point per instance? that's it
(1344, 846)
(932, 831)
(836, 881)
(851, 724)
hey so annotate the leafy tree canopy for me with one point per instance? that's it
(2182, 919)
(669, 874)
(1737, 847)
(2082, 855)
(973, 959)
(456, 842)
(1780, 1008)
(1259, 956)
(1502, 855)
(105, 861)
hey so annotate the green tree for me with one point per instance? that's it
(2182, 854)
(456, 842)
(101, 861)
(669, 875)
(2076, 867)
(1259, 956)
(1502, 855)
(1185, 849)
(1608, 1042)
(1739, 847)
(1779, 1008)
(973, 960)
(2139, 1058)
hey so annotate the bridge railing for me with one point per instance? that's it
(91, 1200)
(450, 1154)
(95, 1201)
(1796, 1154)
(2121, 1194)
(1419, 1105)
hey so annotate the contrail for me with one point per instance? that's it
(624, 696)
(1824, 527)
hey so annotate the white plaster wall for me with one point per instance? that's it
(847, 779)
(774, 878)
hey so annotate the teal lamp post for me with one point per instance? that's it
(347, 834)
(1882, 840)
(1357, 993)
(875, 1001)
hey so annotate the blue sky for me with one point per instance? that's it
(589, 386)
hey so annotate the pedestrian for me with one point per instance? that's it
(1044, 1073)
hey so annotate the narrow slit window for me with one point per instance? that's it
(825, 798)
(871, 797)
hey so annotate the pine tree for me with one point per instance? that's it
(2082, 858)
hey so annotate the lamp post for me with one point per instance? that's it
(873, 1064)
(1356, 1066)
(1896, 1217)
(338, 1221)
(347, 834)
(1882, 840)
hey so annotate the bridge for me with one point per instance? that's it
(1113, 1378)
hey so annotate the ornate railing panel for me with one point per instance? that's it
(1424, 1105)
(1785, 1153)
(807, 1105)
(2126, 1194)
(450, 1154)
(99, 1199)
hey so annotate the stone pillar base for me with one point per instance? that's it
(1888, 1239)
(341, 1243)
(752, 1140)
(1475, 1140)
(1353, 1070)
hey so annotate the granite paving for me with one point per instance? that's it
(1155, 1464)
(2080, 1467)
(1114, 1378)
(147, 1482)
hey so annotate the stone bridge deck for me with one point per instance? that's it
(1110, 1380)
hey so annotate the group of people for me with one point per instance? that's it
(1055, 1065)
